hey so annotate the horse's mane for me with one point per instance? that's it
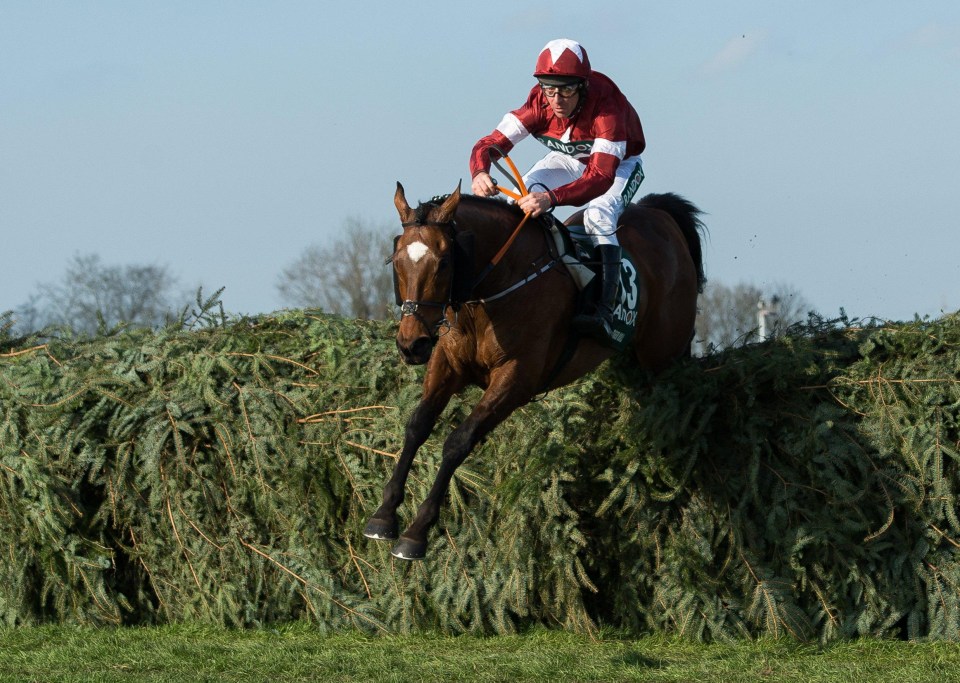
(424, 208)
(468, 200)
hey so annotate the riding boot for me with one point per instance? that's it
(600, 323)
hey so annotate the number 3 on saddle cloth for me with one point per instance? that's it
(580, 257)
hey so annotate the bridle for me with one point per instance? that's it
(411, 307)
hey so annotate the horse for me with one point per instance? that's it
(503, 324)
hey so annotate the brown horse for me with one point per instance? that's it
(507, 328)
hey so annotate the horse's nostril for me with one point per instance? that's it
(422, 346)
(416, 352)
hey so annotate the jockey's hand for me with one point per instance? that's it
(535, 203)
(483, 185)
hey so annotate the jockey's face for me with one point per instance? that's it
(562, 105)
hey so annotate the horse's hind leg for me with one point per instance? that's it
(383, 526)
(495, 406)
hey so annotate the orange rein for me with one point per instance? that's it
(510, 193)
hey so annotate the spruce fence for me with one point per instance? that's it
(221, 473)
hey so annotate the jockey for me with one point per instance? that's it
(595, 140)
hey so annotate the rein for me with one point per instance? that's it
(517, 285)
(514, 175)
(573, 340)
(517, 180)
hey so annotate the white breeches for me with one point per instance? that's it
(601, 214)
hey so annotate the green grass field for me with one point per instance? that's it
(301, 654)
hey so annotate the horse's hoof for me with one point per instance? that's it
(381, 530)
(408, 549)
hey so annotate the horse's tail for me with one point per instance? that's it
(687, 216)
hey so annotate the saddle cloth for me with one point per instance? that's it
(579, 256)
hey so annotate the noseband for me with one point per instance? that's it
(410, 307)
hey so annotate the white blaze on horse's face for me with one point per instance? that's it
(417, 250)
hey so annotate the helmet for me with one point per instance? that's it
(562, 60)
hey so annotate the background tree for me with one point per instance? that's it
(727, 315)
(91, 296)
(346, 277)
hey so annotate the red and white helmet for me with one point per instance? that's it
(563, 59)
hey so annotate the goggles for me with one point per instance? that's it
(561, 90)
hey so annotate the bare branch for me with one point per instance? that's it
(346, 277)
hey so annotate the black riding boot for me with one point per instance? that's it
(600, 323)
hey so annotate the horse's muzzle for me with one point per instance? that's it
(416, 352)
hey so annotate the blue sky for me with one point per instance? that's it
(222, 138)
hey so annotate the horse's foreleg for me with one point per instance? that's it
(383, 524)
(495, 406)
(436, 394)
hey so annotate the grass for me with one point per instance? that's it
(301, 654)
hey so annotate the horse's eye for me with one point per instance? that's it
(443, 264)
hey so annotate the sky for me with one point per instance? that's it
(221, 139)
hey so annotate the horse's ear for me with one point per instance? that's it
(448, 209)
(407, 215)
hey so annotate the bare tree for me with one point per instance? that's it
(347, 277)
(728, 316)
(92, 296)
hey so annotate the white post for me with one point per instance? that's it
(767, 317)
